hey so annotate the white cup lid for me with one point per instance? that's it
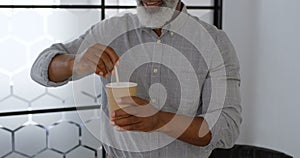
(121, 84)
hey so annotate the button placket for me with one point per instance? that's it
(153, 101)
(158, 41)
(155, 70)
(172, 34)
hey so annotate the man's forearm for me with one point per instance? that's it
(185, 128)
(142, 116)
(61, 67)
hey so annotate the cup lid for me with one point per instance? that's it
(121, 84)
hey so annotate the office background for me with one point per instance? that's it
(266, 36)
(264, 33)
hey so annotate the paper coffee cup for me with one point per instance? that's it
(117, 90)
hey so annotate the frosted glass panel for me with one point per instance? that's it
(113, 12)
(6, 142)
(49, 153)
(29, 2)
(93, 2)
(13, 103)
(63, 136)
(13, 122)
(198, 2)
(47, 2)
(36, 135)
(64, 142)
(65, 25)
(121, 2)
(205, 15)
(4, 84)
(81, 152)
(47, 119)
(24, 34)
(15, 155)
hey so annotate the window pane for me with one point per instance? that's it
(48, 2)
(113, 12)
(205, 15)
(121, 2)
(24, 34)
(62, 134)
(84, 2)
(198, 2)
(29, 2)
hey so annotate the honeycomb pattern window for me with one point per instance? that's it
(46, 117)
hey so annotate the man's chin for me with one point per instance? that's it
(154, 17)
(152, 24)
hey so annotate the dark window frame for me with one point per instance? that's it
(217, 7)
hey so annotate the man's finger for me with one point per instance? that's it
(96, 65)
(101, 66)
(107, 61)
(133, 127)
(109, 51)
(112, 54)
(126, 121)
(125, 112)
(119, 113)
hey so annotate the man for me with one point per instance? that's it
(187, 72)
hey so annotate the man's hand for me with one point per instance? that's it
(97, 58)
(139, 116)
(142, 116)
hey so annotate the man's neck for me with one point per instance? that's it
(178, 8)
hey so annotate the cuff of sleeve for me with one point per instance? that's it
(215, 126)
(39, 71)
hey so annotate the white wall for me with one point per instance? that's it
(266, 36)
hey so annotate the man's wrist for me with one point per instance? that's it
(70, 63)
(61, 67)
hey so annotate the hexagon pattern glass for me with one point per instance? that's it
(6, 141)
(64, 143)
(60, 138)
(47, 2)
(27, 32)
(30, 140)
(24, 33)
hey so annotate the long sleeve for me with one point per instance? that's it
(39, 70)
(221, 100)
(102, 32)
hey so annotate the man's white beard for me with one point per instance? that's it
(156, 17)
